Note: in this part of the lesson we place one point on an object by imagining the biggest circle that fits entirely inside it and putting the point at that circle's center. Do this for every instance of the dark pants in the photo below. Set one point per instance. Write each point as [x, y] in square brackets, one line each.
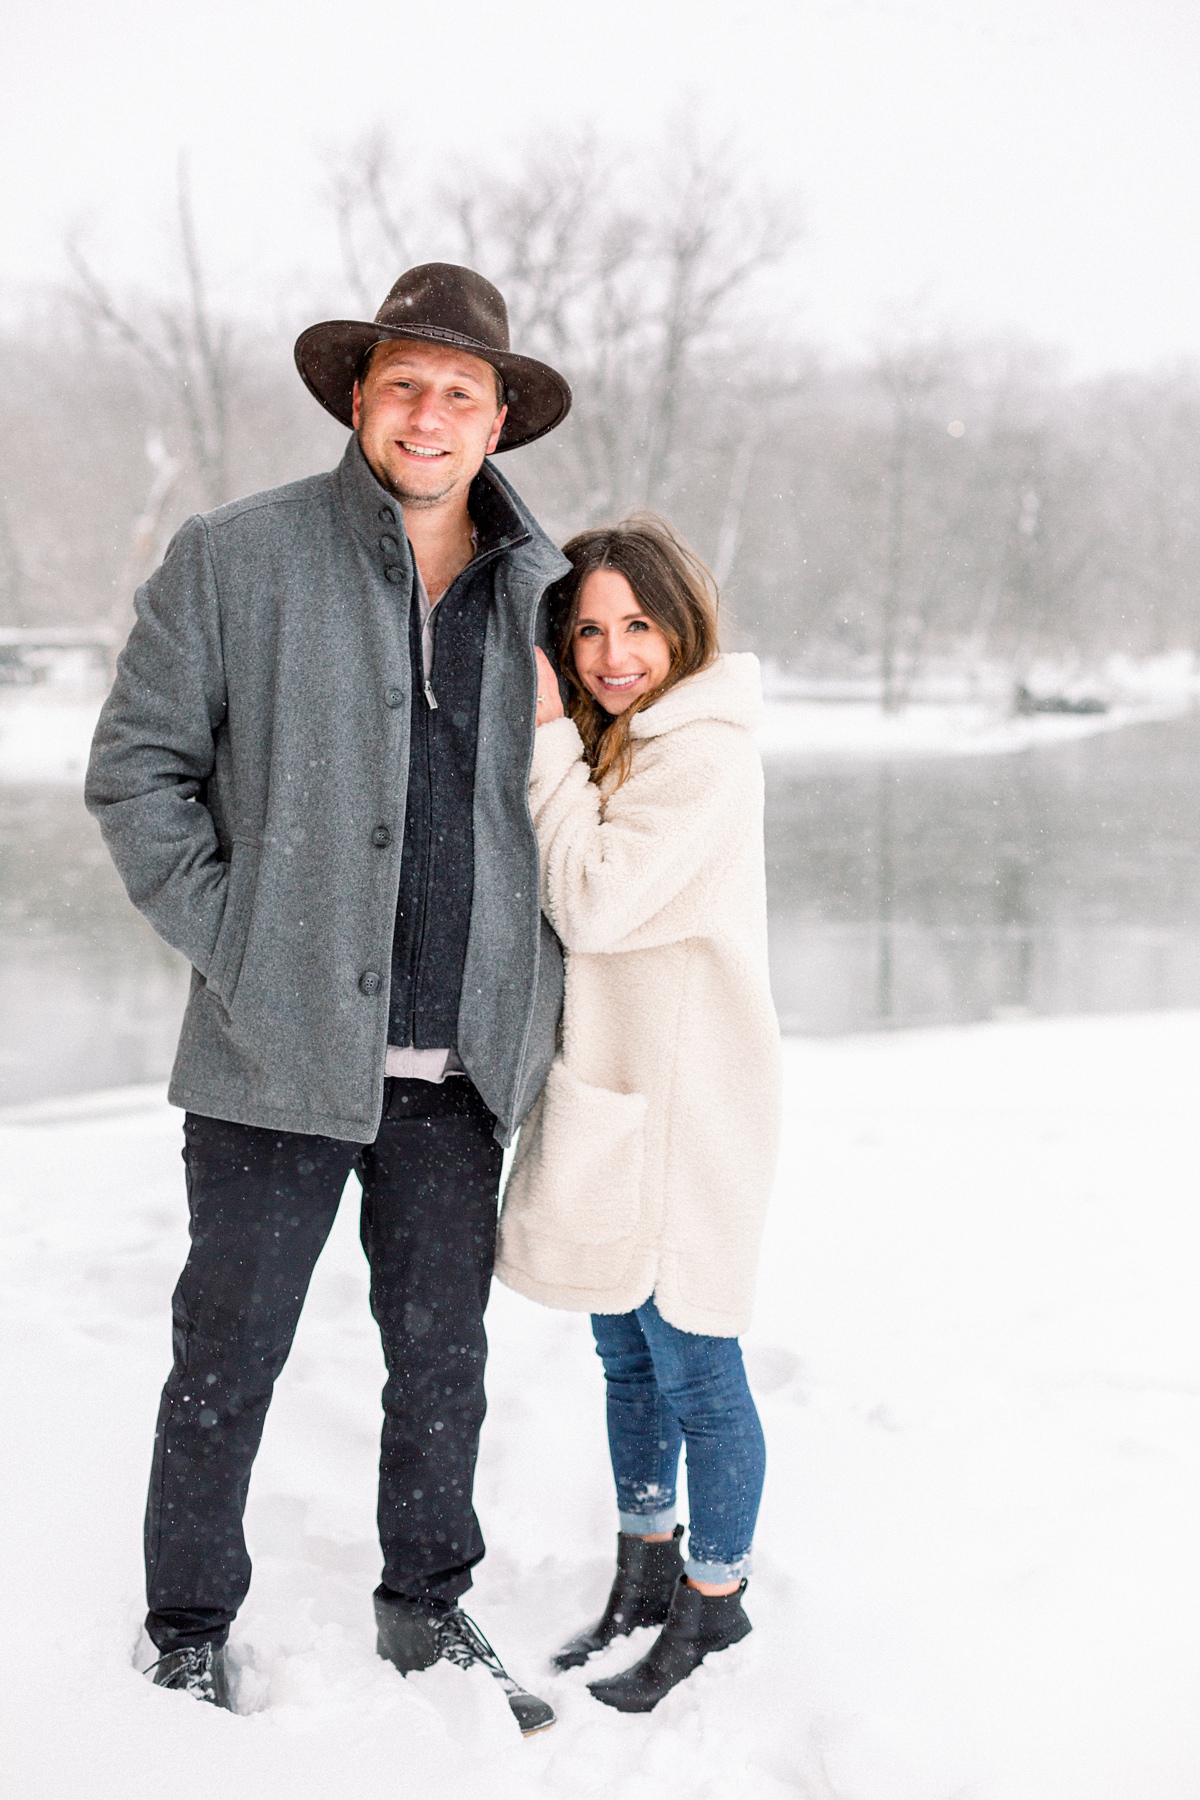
[262, 1204]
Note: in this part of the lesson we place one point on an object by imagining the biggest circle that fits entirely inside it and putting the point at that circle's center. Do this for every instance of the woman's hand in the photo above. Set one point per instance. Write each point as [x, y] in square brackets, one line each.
[549, 705]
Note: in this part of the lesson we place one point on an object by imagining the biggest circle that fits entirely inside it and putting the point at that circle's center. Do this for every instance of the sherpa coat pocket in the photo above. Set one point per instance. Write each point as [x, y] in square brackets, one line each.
[571, 1204]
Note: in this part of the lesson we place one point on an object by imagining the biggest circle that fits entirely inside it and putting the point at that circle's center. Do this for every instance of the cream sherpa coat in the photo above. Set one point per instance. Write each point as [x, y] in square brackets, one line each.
[645, 1165]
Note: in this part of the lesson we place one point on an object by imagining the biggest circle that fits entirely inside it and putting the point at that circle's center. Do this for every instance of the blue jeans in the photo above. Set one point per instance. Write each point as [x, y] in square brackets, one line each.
[667, 1388]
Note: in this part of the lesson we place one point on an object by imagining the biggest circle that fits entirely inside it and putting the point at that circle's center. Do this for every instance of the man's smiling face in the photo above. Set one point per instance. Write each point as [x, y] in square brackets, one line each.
[426, 417]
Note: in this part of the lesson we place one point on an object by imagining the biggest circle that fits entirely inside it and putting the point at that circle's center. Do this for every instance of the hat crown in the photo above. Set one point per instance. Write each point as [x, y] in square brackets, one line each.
[448, 301]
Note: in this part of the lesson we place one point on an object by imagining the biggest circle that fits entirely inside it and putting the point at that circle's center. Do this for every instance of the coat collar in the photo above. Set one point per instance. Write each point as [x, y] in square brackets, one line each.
[377, 522]
[371, 511]
[533, 556]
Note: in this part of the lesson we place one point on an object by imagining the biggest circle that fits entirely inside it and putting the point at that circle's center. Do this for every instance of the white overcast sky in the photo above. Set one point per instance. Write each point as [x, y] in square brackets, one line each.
[994, 166]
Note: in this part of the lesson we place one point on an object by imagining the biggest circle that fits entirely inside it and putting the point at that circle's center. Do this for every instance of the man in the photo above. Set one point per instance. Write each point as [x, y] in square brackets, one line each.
[311, 774]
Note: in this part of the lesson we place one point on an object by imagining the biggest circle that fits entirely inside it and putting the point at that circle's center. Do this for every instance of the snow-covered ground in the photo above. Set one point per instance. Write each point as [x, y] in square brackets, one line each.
[966, 709]
[976, 1356]
[47, 739]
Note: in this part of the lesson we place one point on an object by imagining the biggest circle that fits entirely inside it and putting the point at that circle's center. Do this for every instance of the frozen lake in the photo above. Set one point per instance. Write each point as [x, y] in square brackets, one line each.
[911, 891]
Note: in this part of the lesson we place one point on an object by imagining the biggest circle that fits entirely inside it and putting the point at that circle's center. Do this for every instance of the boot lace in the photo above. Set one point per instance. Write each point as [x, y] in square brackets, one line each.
[191, 1671]
[460, 1641]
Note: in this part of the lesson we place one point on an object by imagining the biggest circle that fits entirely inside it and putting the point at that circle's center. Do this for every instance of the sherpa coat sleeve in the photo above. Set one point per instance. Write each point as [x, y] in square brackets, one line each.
[154, 751]
[612, 868]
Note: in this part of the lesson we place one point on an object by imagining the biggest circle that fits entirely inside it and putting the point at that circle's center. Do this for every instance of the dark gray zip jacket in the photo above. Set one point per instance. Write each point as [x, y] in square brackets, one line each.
[255, 740]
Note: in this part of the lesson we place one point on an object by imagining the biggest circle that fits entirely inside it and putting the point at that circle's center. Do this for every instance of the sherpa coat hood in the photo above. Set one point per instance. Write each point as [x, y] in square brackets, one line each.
[646, 1164]
[728, 692]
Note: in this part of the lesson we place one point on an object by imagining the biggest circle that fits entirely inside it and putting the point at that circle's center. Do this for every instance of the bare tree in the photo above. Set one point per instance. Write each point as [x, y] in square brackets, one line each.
[145, 542]
[729, 536]
[620, 274]
[712, 239]
[853, 532]
[184, 347]
[907, 376]
[12, 574]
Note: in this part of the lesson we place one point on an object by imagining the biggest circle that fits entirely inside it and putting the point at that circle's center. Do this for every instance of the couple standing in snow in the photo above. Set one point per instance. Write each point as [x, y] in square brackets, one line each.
[377, 756]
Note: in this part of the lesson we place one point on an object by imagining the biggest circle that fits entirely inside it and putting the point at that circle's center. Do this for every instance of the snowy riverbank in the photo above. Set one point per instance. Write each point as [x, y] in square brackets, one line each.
[47, 739]
[861, 729]
[44, 738]
[976, 1358]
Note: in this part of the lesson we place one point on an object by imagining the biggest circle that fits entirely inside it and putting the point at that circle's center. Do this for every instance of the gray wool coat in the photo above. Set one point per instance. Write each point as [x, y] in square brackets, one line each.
[255, 740]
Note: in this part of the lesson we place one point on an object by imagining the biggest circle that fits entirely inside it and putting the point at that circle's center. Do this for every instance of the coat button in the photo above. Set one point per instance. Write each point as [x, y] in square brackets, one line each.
[387, 515]
[395, 574]
[394, 697]
[381, 837]
[370, 982]
[387, 543]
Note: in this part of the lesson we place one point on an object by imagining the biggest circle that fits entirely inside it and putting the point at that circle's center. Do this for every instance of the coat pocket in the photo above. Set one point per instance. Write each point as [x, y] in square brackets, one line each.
[230, 947]
[572, 1201]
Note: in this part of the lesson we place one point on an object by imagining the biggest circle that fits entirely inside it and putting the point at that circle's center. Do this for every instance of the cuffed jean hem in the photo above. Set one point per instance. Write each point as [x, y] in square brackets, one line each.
[717, 1571]
[643, 1524]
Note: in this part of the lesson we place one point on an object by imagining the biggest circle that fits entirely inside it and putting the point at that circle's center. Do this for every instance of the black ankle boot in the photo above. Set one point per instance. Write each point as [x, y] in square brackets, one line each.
[647, 1576]
[697, 1624]
[199, 1670]
[414, 1636]
[406, 1632]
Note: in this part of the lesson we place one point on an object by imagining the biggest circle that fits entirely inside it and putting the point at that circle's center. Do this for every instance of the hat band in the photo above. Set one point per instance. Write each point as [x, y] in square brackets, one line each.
[445, 336]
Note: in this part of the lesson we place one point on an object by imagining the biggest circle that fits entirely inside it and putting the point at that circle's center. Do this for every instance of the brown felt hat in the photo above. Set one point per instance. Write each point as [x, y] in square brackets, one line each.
[437, 303]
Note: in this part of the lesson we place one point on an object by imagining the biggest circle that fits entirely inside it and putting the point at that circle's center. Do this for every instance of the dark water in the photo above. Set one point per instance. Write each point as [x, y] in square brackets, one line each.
[1059, 880]
[917, 892]
[89, 996]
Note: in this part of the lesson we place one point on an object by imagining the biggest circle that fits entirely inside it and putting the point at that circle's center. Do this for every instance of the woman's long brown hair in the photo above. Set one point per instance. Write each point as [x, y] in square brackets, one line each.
[672, 587]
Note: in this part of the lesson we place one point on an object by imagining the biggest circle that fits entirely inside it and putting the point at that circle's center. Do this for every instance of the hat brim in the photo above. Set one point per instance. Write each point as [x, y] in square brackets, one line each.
[330, 355]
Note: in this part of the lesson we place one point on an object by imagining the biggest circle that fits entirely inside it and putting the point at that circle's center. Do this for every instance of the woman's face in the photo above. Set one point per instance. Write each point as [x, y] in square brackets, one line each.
[620, 654]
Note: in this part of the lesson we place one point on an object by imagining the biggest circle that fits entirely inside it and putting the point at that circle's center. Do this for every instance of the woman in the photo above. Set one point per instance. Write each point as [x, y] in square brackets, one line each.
[640, 1180]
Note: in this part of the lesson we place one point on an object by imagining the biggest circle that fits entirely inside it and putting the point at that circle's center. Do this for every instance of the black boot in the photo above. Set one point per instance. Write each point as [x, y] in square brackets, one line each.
[198, 1670]
[697, 1624]
[414, 1636]
[647, 1575]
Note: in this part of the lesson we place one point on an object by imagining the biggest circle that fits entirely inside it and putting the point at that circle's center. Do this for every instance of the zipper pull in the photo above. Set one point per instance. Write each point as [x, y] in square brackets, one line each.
[430, 696]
